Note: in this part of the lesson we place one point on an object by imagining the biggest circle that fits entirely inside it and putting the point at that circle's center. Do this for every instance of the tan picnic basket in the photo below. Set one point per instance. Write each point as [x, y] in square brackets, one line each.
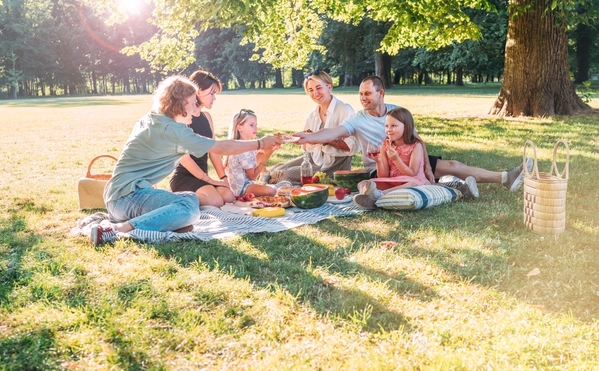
[545, 194]
[91, 187]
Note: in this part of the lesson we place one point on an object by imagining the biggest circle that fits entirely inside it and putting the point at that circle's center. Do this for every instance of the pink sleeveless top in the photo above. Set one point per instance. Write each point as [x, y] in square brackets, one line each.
[395, 177]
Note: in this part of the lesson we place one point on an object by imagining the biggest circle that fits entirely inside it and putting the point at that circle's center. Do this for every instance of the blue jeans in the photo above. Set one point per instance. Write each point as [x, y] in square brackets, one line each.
[156, 209]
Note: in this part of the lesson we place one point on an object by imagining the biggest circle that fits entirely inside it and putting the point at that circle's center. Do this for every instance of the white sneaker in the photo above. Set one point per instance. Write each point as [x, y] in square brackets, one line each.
[469, 188]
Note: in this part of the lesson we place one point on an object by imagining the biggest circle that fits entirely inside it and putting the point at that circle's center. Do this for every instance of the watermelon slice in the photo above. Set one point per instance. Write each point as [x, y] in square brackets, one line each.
[350, 178]
[310, 196]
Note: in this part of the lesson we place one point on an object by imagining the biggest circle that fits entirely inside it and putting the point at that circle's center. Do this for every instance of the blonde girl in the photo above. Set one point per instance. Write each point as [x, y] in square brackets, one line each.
[244, 168]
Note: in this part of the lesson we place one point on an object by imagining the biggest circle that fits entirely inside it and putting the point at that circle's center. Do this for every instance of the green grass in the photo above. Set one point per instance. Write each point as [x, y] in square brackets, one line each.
[453, 293]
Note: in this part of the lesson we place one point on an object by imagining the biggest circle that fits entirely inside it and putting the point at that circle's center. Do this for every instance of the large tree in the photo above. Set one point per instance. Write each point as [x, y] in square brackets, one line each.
[536, 78]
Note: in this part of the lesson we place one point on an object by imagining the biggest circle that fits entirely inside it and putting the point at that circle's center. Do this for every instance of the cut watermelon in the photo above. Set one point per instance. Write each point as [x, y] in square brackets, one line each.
[310, 196]
[350, 178]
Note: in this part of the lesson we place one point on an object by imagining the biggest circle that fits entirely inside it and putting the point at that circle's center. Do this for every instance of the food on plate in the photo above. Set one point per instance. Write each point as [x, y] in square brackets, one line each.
[248, 197]
[310, 196]
[239, 198]
[350, 178]
[270, 201]
[284, 191]
[285, 137]
[269, 212]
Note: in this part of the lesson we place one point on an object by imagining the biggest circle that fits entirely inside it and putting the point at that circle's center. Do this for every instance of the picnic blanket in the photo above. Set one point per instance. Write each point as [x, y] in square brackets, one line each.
[230, 220]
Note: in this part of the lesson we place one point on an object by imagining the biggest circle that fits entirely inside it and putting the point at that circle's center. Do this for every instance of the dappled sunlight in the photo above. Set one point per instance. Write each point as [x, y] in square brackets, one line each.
[42, 315]
[247, 248]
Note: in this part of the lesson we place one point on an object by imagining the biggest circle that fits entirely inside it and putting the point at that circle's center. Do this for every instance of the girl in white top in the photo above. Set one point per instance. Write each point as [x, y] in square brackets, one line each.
[244, 168]
[330, 112]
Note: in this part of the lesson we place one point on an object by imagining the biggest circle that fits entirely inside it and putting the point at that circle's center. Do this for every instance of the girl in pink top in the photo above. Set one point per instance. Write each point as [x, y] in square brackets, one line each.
[401, 160]
[399, 164]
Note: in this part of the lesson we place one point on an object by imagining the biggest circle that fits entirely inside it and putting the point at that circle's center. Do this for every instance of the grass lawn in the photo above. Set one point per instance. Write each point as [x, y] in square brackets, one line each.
[455, 292]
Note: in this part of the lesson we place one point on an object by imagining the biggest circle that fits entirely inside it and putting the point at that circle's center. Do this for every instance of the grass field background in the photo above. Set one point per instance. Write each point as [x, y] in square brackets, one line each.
[454, 292]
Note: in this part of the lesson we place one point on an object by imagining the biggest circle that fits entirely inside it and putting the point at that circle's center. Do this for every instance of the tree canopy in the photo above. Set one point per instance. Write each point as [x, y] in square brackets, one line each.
[288, 31]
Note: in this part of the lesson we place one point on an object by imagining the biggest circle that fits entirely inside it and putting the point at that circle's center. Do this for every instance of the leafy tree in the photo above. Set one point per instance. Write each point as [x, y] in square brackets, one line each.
[351, 60]
[13, 75]
[219, 51]
[288, 31]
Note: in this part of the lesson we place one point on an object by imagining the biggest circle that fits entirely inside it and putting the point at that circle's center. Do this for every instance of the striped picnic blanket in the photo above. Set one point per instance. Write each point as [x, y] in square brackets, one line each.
[215, 223]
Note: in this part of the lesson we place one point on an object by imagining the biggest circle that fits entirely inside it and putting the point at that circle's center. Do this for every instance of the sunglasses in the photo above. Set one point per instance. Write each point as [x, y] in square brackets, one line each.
[315, 73]
[244, 112]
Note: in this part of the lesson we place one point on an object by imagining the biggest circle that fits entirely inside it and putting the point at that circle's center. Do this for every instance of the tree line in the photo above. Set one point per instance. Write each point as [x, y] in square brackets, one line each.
[62, 47]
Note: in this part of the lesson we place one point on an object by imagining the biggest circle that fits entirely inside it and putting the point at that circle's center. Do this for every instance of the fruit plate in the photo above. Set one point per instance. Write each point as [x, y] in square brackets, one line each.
[334, 200]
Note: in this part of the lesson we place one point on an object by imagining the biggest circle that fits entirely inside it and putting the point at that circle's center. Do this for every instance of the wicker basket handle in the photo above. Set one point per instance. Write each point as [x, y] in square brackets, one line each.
[98, 176]
[535, 169]
[566, 171]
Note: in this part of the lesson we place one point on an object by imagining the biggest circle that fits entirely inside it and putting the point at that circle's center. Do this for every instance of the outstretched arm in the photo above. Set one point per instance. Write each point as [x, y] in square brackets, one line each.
[322, 136]
[233, 147]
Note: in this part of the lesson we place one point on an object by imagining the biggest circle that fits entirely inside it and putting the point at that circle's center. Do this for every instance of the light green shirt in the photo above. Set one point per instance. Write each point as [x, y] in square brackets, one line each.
[151, 153]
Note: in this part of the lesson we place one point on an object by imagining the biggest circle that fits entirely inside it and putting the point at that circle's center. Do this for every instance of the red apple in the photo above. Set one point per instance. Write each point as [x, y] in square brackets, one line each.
[340, 193]
[347, 191]
[249, 196]
[315, 179]
[240, 198]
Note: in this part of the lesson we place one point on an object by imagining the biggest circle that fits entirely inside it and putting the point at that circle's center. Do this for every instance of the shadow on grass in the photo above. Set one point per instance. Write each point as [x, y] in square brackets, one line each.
[290, 264]
[30, 351]
[14, 243]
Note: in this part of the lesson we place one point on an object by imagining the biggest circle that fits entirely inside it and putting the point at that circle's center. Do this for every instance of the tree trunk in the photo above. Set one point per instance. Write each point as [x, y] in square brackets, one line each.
[420, 77]
[240, 82]
[584, 43]
[459, 76]
[94, 83]
[278, 79]
[348, 80]
[382, 68]
[127, 83]
[297, 78]
[536, 79]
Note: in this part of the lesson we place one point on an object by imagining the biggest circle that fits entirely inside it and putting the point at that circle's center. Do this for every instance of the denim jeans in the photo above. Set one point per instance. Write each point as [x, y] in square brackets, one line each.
[156, 209]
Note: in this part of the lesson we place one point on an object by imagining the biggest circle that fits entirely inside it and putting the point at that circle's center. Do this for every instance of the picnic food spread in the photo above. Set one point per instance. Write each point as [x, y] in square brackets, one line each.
[310, 196]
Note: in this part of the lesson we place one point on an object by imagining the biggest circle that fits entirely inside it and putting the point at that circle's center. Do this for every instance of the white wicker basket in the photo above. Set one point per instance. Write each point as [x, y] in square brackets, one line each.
[545, 194]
